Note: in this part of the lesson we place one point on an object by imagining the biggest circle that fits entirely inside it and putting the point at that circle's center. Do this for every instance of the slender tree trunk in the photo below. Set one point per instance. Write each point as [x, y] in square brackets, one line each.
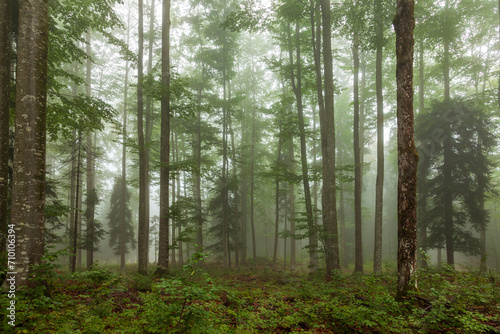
[143, 233]
[5, 63]
[291, 199]
[124, 149]
[379, 196]
[252, 187]
[163, 260]
[447, 153]
[197, 173]
[404, 23]
[90, 167]
[74, 244]
[422, 198]
[358, 224]
[277, 203]
[174, 196]
[297, 88]
[329, 198]
[499, 57]
[236, 224]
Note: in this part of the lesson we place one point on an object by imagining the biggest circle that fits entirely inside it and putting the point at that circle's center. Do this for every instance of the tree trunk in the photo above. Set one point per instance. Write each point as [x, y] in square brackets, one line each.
[143, 233]
[28, 193]
[90, 168]
[277, 203]
[252, 187]
[291, 199]
[297, 88]
[422, 198]
[5, 62]
[379, 193]
[329, 198]
[358, 224]
[197, 173]
[165, 144]
[447, 153]
[173, 148]
[404, 23]
[124, 148]
[76, 224]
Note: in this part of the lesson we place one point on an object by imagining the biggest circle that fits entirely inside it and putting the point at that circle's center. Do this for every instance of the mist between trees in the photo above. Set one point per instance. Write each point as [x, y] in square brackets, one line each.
[269, 133]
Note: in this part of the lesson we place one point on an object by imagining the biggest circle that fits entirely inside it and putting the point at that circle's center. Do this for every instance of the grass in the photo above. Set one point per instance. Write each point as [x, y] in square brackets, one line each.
[211, 299]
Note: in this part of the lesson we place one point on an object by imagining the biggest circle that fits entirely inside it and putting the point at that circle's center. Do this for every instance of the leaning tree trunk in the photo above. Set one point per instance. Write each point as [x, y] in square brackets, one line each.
[379, 193]
[5, 62]
[28, 193]
[297, 88]
[165, 144]
[404, 23]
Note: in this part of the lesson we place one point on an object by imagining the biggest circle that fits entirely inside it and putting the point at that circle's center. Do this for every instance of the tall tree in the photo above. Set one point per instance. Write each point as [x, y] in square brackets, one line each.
[5, 61]
[358, 223]
[379, 193]
[91, 193]
[329, 197]
[28, 193]
[163, 253]
[143, 234]
[404, 24]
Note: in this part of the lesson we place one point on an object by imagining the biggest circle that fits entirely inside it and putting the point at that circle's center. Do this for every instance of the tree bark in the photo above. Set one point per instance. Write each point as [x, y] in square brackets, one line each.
[143, 233]
[5, 63]
[90, 167]
[404, 24]
[379, 193]
[28, 193]
[329, 196]
[297, 88]
[358, 224]
[163, 256]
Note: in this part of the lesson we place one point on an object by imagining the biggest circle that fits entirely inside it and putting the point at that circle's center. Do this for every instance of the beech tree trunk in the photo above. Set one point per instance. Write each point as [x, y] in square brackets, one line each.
[404, 23]
[297, 88]
[358, 223]
[329, 196]
[28, 193]
[5, 62]
[143, 232]
[164, 234]
[379, 193]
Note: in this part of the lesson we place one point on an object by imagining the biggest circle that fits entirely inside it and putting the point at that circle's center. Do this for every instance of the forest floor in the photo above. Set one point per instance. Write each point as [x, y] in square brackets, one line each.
[255, 299]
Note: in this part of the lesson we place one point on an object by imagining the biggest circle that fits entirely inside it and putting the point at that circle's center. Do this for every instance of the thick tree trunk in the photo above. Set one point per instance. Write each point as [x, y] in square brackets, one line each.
[358, 224]
[379, 193]
[329, 196]
[28, 193]
[5, 62]
[404, 23]
[163, 260]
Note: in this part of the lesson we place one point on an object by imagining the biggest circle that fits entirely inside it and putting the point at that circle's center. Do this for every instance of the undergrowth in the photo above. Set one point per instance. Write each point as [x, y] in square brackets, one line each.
[205, 298]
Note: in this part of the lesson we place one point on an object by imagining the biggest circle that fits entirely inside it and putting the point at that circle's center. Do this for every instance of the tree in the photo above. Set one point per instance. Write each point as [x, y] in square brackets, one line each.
[163, 249]
[404, 23]
[379, 204]
[5, 62]
[143, 234]
[329, 197]
[28, 193]
[468, 142]
[121, 229]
